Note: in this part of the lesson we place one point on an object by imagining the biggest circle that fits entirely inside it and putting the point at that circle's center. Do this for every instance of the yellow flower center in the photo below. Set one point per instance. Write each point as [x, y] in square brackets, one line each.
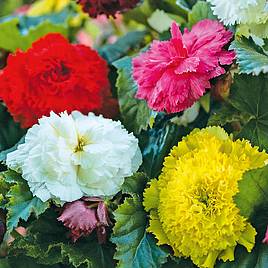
[80, 145]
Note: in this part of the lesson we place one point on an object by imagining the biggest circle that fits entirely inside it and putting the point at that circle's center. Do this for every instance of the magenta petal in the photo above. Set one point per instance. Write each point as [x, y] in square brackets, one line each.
[187, 65]
[217, 72]
[102, 214]
[226, 57]
[265, 240]
[175, 31]
[82, 217]
[78, 216]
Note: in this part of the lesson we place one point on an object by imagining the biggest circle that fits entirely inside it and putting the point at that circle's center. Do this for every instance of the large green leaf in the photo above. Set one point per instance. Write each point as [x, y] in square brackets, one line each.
[113, 52]
[12, 39]
[47, 242]
[253, 191]
[249, 95]
[135, 248]
[251, 59]
[135, 113]
[21, 204]
[156, 144]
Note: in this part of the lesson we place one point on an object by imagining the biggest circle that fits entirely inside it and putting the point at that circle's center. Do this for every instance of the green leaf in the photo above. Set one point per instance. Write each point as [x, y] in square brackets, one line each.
[113, 52]
[47, 242]
[3, 154]
[11, 38]
[135, 248]
[141, 12]
[258, 258]
[205, 102]
[175, 262]
[10, 132]
[4, 188]
[253, 191]
[227, 114]
[7, 180]
[251, 59]
[8, 6]
[135, 113]
[22, 262]
[180, 8]
[26, 22]
[249, 95]
[156, 144]
[189, 115]
[22, 204]
[135, 184]
[160, 21]
[201, 10]
[12, 177]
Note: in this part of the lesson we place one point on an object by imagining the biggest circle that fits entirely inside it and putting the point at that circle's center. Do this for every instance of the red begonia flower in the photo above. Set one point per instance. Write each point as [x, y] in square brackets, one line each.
[54, 75]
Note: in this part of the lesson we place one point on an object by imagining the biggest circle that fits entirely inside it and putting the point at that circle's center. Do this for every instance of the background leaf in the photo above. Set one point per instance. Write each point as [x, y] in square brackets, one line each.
[249, 94]
[135, 113]
[253, 191]
[12, 39]
[251, 59]
[3, 154]
[160, 21]
[113, 52]
[22, 204]
[180, 8]
[227, 114]
[135, 248]
[258, 258]
[201, 10]
[135, 184]
[23, 262]
[47, 242]
[157, 142]
[10, 132]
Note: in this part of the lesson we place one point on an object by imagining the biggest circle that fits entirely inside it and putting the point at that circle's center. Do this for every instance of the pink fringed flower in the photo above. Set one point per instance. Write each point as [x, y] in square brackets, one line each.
[84, 216]
[172, 75]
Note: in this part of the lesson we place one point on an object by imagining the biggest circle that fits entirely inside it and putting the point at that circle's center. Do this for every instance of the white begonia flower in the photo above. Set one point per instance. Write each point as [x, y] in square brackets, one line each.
[70, 156]
[240, 11]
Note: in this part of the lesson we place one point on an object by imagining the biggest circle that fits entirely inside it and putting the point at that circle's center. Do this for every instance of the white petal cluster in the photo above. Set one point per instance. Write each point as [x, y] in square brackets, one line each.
[70, 156]
[232, 12]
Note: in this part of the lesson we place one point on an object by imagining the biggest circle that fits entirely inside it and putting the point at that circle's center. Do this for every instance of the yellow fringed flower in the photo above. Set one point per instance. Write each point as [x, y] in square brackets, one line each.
[191, 204]
[43, 7]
